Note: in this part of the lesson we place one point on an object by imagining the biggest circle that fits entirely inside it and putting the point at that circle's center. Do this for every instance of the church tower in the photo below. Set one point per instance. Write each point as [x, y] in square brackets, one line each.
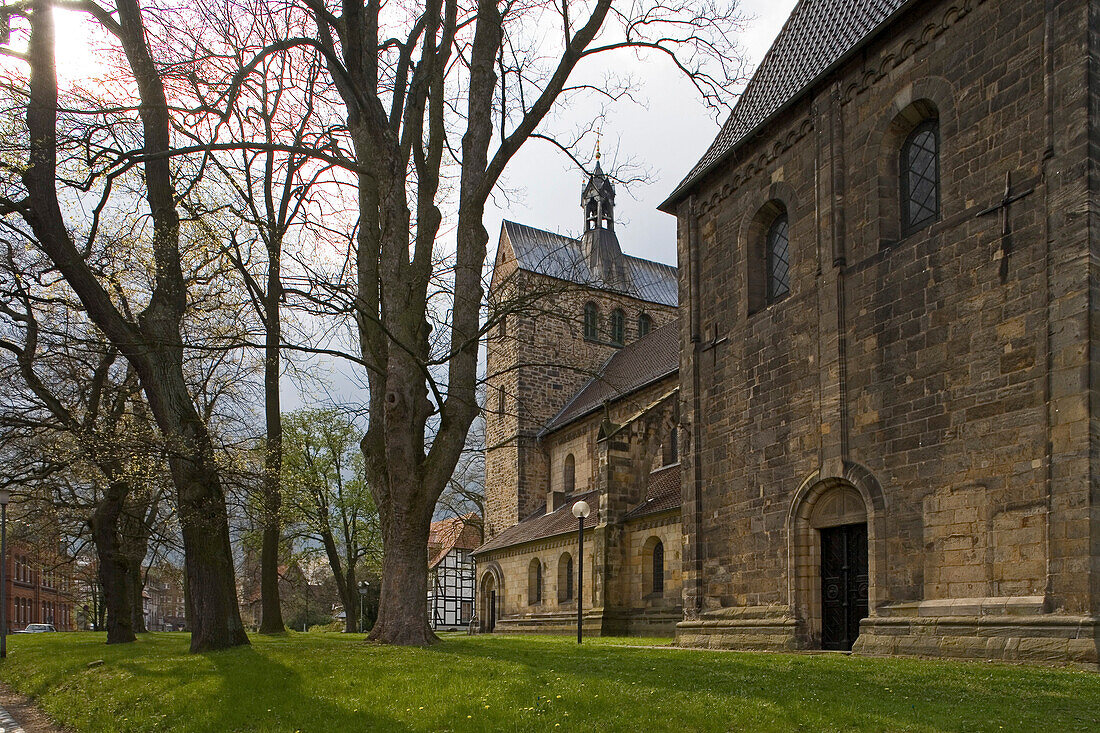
[563, 306]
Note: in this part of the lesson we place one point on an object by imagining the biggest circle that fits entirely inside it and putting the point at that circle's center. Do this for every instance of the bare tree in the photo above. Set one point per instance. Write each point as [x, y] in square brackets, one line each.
[89, 153]
[437, 99]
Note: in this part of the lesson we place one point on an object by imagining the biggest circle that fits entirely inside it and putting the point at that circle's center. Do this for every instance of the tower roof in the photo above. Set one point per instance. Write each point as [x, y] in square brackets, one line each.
[818, 35]
[562, 257]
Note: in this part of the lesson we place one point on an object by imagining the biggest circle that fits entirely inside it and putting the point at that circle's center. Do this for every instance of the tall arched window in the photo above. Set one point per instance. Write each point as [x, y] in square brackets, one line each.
[565, 578]
[659, 568]
[618, 327]
[645, 324]
[779, 259]
[920, 177]
[569, 474]
[534, 582]
[591, 321]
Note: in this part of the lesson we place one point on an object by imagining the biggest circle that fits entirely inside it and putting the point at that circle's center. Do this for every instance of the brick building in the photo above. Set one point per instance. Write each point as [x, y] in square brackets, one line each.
[39, 588]
[581, 403]
[889, 338]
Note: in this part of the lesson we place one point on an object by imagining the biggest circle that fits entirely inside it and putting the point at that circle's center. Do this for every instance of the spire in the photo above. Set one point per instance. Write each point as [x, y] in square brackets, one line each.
[600, 245]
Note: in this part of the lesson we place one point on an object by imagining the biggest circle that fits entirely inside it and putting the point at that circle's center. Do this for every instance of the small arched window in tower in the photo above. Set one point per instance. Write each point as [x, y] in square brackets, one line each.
[591, 322]
[534, 582]
[658, 568]
[565, 578]
[920, 177]
[569, 474]
[618, 327]
[592, 215]
[645, 324]
[779, 259]
[500, 400]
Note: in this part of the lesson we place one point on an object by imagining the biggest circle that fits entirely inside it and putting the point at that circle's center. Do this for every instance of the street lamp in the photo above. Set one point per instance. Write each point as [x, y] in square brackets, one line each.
[580, 510]
[363, 587]
[4, 496]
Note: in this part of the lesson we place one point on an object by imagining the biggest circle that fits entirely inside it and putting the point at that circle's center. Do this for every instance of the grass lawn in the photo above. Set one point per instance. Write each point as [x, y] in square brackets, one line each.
[332, 682]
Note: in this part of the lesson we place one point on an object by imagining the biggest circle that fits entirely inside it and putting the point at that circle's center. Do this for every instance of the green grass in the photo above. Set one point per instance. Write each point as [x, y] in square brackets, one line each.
[332, 682]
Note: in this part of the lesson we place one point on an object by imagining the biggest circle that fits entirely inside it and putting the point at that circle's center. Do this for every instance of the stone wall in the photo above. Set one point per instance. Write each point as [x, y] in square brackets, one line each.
[944, 374]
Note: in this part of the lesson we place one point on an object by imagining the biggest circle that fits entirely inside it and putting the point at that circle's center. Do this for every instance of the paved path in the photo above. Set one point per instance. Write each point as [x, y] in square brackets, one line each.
[8, 723]
[19, 714]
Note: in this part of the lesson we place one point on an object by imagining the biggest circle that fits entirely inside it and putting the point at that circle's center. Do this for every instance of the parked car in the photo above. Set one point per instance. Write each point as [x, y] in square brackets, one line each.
[37, 629]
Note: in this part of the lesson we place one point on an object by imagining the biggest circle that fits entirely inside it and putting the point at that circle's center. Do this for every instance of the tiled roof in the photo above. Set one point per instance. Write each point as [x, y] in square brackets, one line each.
[817, 35]
[462, 533]
[650, 358]
[561, 257]
[662, 493]
[541, 525]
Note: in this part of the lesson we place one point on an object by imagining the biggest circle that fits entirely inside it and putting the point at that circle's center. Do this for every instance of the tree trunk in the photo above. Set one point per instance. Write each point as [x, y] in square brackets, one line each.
[137, 588]
[271, 618]
[403, 602]
[351, 600]
[113, 571]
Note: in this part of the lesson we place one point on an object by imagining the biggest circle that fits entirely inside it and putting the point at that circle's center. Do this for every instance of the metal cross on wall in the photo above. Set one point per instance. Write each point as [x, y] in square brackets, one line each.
[1006, 227]
[713, 344]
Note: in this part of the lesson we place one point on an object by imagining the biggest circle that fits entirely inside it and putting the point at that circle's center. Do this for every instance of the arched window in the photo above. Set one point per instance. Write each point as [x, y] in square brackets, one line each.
[645, 324]
[659, 568]
[534, 582]
[565, 578]
[591, 321]
[592, 214]
[569, 474]
[779, 259]
[618, 327]
[919, 171]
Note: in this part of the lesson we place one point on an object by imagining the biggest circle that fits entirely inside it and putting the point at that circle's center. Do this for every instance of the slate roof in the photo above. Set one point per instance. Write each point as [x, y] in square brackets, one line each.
[541, 524]
[652, 357]
[561, 257]
[460, 533]
[817, 36]
[662, 493]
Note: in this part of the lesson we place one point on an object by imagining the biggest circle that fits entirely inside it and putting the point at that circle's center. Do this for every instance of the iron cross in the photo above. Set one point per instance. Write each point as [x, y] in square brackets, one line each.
[1006, 228]
[713, 344]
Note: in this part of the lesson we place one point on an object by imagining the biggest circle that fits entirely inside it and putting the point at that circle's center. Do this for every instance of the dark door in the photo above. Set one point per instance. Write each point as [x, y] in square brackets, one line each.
[492, 610]
[843, 584]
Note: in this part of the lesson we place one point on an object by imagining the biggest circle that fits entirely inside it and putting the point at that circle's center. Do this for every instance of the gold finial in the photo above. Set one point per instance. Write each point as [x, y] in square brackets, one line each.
[598, 132]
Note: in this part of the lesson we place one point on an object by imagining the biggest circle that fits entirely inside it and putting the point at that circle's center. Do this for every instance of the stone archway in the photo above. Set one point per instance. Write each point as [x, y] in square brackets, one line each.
[846, 510]
[490, 599]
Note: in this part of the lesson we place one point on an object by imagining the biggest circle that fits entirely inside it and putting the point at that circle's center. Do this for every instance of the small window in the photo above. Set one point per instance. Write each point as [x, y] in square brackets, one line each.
[569, 474]
[500, 400]
[778, 256]
[920, 177]
[591, 322]
[466, 612]
[658, 568]
[565, 578]
[618, 327]
[672, 447]
[645, 324]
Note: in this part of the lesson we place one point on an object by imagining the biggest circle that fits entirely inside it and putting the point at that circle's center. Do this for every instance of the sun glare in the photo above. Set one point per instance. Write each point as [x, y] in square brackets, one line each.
[76, 37]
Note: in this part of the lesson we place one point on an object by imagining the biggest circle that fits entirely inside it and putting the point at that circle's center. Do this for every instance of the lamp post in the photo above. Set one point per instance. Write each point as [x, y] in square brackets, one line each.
[580, 510]
[363, 587]
[4, 496]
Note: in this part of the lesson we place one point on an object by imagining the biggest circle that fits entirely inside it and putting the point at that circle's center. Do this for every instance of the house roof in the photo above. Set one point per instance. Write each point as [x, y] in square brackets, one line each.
[662, 493]
[541, 525]
[818, 35]
[562, 257]
[649, 359]
[455, 533]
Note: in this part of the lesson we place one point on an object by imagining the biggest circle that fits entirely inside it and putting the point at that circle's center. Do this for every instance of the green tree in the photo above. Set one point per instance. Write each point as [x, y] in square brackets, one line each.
[325, 486]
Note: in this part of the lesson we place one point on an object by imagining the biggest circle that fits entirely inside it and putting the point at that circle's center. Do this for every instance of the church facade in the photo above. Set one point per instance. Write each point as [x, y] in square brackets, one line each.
[581, 404]
[888, 279]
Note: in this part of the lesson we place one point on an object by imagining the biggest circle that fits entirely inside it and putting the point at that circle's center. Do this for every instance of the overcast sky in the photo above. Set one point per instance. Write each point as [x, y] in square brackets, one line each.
[666, 135]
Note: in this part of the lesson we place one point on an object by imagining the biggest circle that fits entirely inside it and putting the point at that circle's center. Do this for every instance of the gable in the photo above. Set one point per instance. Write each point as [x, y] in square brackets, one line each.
[818, 35]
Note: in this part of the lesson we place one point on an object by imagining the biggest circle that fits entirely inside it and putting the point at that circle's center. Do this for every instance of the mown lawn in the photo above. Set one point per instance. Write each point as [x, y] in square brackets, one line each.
[331, 682]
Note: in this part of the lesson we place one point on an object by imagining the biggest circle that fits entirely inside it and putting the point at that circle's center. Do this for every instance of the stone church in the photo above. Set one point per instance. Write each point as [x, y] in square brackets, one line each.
[886, 363]
[888, 299]
[582, 403]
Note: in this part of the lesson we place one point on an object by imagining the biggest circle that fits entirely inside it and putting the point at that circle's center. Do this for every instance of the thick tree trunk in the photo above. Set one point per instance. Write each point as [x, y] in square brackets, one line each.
[113, 571]
[137, 606]
[403, 603]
